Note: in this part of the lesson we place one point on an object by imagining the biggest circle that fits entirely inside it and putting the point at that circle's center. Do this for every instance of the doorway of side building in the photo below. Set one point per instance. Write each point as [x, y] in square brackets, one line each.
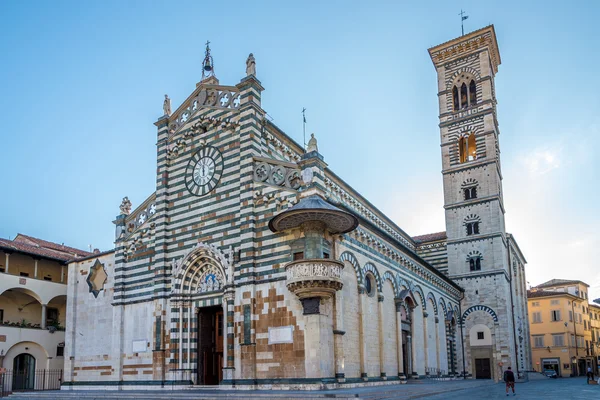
[405, 355]
[551, 363]
[483, 368]
[23, 372]
[210, 345]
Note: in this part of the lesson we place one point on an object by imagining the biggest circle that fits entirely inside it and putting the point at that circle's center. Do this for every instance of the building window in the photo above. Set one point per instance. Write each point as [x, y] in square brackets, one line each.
[470, 193]
[538, 341]
[558, 340]
[48, 278]
[467, 148]
[326, 255]
[472, 93]
[370, 285]
[51, 316]
[555, 314]
[455, 102]
[570, 316]
[299, 255]
[480, 335]
[60, 351]
[535, 304]
[537, 317]
[554, 302]
[23, 274]
[573, 340]
[472, 228]
[475, 264]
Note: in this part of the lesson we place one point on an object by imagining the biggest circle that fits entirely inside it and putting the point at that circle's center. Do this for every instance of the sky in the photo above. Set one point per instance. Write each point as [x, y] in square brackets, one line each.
[83, 82]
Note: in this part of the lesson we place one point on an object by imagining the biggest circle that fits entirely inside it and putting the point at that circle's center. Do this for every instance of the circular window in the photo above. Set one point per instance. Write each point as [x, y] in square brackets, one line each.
[369, 285]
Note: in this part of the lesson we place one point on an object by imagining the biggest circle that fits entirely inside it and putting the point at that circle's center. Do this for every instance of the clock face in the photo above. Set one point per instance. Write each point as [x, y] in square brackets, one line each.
[204, 171]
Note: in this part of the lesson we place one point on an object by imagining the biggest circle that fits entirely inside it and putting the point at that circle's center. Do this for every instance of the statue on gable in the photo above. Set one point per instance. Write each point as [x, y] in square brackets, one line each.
[167, 105]
[125, 206]
[251, 65]
[312, 144]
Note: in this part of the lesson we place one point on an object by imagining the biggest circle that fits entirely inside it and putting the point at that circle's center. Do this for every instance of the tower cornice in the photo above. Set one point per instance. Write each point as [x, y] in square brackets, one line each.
[465, 45]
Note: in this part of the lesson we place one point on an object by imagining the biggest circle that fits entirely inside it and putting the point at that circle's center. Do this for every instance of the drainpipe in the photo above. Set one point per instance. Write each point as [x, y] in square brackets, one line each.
[462, 338]
[512, 308]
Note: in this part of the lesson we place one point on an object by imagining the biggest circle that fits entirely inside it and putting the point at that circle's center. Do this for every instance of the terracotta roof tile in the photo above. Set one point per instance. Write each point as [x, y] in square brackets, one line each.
[532, 294]
[50, 245]
[42, 248]
[430, 237]
[559, 282]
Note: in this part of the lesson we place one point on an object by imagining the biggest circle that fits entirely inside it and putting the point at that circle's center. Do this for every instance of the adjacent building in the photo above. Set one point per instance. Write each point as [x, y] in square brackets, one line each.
[33, 288]
[253, 264]
[562, 323]
[595, 341]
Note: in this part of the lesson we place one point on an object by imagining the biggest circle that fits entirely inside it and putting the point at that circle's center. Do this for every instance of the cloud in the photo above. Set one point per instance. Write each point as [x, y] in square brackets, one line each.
[543, 160]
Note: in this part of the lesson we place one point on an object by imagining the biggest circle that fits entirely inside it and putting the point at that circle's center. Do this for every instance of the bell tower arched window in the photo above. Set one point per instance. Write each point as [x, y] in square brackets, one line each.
[470, 193]
[475, 264]
[472, 228]
[464, 95]
[467, 148]
[472, 93]
[464, 92]
[455, 98]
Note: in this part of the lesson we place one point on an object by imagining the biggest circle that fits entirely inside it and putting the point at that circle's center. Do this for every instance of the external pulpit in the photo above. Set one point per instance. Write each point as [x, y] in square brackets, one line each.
[315, 278]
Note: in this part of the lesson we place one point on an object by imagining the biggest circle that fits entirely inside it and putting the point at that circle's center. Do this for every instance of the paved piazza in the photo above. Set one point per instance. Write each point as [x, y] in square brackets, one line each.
[547, 389]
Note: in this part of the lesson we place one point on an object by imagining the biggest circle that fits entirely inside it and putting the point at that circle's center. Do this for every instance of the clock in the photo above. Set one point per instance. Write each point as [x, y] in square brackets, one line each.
[204, 171]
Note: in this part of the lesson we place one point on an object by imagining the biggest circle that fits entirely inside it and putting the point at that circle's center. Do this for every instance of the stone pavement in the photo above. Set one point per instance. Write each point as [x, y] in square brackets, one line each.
[547, 389]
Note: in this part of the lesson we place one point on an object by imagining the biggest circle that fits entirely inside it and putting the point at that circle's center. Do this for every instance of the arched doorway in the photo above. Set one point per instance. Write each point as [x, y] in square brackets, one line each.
[23, 372]
[200, 282]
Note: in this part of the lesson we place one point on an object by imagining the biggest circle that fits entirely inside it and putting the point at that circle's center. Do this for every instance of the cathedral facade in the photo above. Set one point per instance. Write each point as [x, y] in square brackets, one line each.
[254, 265]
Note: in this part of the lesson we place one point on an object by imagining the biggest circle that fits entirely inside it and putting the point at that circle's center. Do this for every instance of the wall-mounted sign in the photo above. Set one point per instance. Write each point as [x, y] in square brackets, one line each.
[139, 346]
[281, 334]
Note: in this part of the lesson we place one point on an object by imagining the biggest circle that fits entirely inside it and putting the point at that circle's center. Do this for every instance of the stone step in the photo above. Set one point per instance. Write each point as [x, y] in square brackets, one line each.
[170, 395]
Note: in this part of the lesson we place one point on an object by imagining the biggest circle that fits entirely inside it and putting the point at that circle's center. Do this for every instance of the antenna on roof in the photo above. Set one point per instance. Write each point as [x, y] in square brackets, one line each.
[90, 248]
[304, 126]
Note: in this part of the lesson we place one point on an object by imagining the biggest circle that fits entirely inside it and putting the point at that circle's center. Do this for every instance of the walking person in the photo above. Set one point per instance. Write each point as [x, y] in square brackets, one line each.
[509, 379]
[590, 374]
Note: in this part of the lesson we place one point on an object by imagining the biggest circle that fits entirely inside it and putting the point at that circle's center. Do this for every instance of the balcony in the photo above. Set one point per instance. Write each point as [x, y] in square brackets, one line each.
[314, 277]
[42, 291]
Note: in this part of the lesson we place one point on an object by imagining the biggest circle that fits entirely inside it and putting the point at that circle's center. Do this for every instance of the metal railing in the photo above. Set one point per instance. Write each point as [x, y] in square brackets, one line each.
[435, 373]
[24, 381]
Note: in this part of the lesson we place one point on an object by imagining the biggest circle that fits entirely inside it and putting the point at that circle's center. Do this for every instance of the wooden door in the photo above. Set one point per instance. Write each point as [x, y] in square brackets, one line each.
[482, 368]
[219, 344]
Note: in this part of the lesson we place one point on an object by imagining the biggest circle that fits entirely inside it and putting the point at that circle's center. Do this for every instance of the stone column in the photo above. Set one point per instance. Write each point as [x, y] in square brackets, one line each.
[409, 356]
[180, 343]
[313, 239]
[62, 274]
[7, 261]
[425, 344]
[318, 341]
[437, 343]
[43, 324]
[35, 267]
[228, 354]
[338, 337]
[362, 330]
[382, 372]
[117, 343]
[189, 335]
[400, 356]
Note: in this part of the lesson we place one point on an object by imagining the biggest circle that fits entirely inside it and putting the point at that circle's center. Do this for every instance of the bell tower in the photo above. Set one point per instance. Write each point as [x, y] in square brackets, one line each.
[477, 243]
